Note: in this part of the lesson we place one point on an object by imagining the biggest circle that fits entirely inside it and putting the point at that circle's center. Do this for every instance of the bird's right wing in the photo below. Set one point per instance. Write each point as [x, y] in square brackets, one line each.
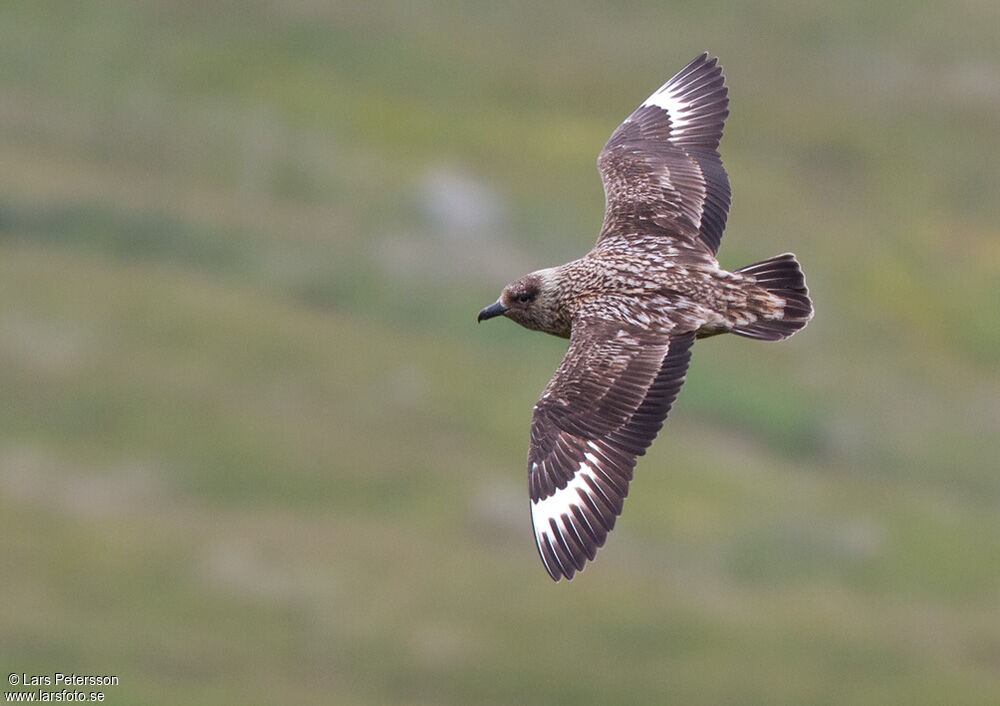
[664, 183]
[603, 408]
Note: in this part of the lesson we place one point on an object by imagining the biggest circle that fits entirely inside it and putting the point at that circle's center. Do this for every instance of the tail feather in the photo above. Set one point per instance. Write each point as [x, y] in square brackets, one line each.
[782, 277]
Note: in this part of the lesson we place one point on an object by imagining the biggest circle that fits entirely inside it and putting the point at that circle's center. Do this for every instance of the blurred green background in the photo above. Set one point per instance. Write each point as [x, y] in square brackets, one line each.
[254, 448]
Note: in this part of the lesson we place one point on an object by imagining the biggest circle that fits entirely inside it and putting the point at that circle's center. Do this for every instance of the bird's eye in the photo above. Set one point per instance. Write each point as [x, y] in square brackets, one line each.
[524, 297]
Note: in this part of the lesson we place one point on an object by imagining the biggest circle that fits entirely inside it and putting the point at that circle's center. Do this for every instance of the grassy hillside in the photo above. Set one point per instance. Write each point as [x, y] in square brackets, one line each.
[253, 447]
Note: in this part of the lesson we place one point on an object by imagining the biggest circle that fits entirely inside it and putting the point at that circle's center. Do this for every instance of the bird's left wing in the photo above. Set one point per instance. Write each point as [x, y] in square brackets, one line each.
[664, 183]
[603, 408]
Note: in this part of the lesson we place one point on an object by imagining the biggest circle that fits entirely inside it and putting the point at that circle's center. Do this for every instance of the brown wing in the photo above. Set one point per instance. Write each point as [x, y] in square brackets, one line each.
[663, 177]
[602, 409]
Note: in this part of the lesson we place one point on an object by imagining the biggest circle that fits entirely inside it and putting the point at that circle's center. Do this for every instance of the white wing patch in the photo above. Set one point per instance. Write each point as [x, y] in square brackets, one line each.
[670, 99]
[558, 508]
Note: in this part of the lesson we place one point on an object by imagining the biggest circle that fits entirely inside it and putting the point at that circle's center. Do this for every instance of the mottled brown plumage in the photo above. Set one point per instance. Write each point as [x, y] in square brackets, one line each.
[632, 308]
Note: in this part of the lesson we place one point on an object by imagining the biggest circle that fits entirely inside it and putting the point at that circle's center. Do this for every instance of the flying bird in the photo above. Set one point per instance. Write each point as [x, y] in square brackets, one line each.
[632, 308]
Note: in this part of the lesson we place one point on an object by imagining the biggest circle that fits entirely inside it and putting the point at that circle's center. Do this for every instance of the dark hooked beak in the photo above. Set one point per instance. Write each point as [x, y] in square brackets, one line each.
[495, 309]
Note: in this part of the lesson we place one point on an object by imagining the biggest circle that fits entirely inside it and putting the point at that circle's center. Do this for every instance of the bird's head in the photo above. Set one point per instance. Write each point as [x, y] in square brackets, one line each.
[529, 301]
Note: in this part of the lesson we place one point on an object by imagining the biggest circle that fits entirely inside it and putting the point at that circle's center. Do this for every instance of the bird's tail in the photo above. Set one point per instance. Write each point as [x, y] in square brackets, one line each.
[782, 277]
